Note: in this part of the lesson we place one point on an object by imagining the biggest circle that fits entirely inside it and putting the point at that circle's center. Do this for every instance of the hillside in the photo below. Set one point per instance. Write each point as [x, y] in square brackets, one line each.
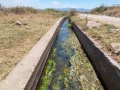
[105, 10]
[77, 9]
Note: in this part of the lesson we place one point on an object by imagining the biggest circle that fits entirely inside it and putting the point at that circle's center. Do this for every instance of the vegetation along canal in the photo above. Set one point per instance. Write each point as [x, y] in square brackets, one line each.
[68, 68]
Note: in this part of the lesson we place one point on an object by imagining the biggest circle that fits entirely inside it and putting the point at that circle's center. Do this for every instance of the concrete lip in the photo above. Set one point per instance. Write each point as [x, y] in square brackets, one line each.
[26, 74]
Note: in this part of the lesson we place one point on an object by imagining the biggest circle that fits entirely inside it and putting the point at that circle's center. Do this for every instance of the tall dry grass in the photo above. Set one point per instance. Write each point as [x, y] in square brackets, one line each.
[16, 41]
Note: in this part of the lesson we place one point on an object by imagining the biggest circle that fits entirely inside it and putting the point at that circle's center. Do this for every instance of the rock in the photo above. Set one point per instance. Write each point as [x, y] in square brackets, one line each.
[18, 23]
[116, 47]
[117, 29]
[93, 24]
[114, 29]
[117, 51]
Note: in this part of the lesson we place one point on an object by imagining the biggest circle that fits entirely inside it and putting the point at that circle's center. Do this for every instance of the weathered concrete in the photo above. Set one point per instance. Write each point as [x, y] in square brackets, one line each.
[26, 74]
[108, 70]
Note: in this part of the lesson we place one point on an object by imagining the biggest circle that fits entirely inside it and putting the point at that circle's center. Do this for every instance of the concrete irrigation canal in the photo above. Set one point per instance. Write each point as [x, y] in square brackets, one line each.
[64, 59]
[68, 67]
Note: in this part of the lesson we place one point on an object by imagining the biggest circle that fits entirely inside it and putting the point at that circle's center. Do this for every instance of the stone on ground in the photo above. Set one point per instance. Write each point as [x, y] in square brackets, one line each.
[116, 47]
[18, 23]
[93, 24]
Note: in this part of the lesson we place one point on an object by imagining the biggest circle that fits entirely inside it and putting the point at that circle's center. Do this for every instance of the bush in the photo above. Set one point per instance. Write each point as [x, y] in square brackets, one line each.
[100, 9]
[56, 13]
[1, 7]
[51, 10]
[73, 12]
[22, 10]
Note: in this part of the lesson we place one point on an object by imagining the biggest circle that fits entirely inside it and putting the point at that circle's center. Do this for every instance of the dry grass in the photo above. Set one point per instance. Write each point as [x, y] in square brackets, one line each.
[16, 41]
[115, 11]
[105, 35]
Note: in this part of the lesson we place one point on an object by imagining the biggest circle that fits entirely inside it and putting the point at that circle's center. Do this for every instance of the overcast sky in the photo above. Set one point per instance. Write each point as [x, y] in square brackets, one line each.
[41, 4]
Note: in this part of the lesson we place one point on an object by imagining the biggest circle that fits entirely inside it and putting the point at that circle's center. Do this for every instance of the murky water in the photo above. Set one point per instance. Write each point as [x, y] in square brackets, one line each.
[68, 67]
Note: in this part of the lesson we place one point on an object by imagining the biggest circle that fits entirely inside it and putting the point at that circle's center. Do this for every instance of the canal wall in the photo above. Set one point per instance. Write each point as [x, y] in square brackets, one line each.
[107, 69]
[25, 76]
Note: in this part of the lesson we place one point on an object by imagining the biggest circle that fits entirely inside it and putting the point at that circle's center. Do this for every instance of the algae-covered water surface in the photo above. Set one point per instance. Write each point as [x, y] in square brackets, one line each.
[68, 68]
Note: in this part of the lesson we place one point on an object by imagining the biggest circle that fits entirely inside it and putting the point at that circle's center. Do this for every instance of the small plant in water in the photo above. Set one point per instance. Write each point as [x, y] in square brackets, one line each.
[69, 25]
[50, 68]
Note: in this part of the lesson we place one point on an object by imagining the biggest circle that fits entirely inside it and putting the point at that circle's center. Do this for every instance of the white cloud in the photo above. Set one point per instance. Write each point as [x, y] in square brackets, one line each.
[55, 2]
[65, 5]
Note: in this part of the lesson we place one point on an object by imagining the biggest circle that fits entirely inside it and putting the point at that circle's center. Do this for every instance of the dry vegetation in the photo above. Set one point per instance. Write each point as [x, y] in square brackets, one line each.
[17, 40]
[105, 35]
[105, 10]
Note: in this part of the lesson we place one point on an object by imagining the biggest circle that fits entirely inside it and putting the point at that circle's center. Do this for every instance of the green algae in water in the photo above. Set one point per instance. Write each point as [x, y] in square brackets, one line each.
[81, 68]
[68, 67]
[63, 81]
[47, 78]
[69, 25]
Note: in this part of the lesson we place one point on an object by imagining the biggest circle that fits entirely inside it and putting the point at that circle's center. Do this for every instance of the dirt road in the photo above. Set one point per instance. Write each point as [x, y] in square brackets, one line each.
[104, 19]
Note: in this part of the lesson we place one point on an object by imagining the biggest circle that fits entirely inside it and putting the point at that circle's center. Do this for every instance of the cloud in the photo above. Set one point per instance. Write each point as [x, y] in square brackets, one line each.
[55, 2]
[64, 5]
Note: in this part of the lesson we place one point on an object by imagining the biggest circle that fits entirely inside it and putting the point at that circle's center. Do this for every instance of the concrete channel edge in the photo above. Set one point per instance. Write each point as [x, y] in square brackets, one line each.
[25, 76]
[107, 69]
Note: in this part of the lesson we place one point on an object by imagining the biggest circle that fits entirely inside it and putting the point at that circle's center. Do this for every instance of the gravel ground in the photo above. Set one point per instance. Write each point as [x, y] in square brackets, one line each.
[104, 19]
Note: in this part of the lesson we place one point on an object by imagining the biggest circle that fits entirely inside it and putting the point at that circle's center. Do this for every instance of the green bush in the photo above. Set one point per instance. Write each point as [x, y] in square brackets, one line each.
[100, 9]
[73, 12]
[56, 13]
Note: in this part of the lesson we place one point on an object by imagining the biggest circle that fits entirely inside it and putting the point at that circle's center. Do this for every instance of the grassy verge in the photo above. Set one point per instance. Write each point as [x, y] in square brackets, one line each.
[17, 40]
[105, 34]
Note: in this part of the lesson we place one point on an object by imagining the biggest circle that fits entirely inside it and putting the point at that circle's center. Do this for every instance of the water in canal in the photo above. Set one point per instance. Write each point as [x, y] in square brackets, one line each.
[68, 68]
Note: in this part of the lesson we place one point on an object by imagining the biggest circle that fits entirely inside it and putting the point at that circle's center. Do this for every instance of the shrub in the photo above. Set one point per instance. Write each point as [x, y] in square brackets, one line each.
[73, 12]
[100, 9]
[56, 13]
[22, 10]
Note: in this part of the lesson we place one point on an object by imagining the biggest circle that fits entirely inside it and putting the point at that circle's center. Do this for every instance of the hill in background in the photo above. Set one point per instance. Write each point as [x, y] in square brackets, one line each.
[107, 10]
[77, 9]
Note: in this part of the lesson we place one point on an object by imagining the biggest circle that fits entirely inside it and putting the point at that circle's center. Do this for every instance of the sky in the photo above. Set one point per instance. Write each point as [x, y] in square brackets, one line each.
[41, 4]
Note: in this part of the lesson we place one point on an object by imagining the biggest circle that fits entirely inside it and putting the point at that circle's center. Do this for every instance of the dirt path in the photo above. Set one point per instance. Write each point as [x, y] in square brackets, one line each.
[104, 19]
